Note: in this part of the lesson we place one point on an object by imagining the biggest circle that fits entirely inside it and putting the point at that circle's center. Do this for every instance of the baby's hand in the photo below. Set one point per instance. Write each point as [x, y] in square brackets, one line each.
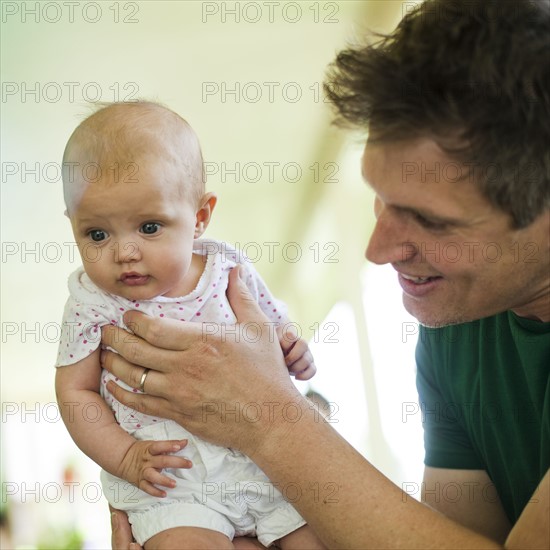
[144, 461]
[297, 355]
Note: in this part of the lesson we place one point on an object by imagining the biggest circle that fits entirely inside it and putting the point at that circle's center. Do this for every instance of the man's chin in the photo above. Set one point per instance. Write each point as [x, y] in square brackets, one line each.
[439, 323]
[430, 319]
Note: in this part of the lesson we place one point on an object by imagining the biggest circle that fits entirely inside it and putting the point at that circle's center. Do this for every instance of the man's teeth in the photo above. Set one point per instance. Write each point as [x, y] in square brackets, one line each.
[416, 279]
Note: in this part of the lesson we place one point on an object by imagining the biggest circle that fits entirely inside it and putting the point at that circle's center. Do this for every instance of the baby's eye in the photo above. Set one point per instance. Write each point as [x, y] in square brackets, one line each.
[150, 228]
[97, 235]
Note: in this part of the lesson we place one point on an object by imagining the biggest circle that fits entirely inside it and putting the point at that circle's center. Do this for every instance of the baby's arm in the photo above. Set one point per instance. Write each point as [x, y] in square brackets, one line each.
[99, 436]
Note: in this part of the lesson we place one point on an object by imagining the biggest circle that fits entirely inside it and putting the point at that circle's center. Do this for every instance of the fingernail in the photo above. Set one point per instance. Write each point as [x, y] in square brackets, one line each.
[114, 520]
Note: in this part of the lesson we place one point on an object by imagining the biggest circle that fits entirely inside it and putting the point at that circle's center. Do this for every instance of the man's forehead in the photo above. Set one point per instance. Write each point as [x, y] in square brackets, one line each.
[388, 155]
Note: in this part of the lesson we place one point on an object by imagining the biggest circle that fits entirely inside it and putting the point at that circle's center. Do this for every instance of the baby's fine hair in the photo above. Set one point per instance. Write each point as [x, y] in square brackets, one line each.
[117, 137]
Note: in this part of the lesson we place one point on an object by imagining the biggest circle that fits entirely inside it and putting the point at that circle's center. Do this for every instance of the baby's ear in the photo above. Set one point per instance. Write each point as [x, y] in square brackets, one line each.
[204, 213]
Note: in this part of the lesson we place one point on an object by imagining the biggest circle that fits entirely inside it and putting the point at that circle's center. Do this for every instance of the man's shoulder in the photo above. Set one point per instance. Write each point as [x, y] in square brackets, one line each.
[504, 338]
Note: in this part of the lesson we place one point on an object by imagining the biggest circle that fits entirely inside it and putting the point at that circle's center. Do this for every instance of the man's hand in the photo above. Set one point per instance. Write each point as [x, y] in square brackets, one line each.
[121, 532]
[144, 461]
[195, 376]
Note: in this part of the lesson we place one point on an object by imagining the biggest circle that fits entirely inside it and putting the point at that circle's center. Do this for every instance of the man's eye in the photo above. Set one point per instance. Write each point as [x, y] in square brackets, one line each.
[97, 235]
[429, 224]
[150, 228]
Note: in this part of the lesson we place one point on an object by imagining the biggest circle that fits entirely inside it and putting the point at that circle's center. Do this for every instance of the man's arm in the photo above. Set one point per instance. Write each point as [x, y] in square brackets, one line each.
[347, 502]
[532, 530]
[344, 499]
[469, 497]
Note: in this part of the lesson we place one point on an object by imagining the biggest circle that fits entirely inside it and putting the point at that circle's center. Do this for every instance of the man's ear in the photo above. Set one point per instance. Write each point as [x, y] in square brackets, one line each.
[204, 213]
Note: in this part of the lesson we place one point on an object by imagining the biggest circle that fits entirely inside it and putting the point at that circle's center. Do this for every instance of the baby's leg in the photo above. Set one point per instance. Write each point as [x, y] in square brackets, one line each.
[302, 539]
[248, 543]
[188, 538]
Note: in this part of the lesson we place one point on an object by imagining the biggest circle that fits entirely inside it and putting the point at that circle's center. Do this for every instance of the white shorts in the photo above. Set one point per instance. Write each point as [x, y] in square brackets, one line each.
[223, 491]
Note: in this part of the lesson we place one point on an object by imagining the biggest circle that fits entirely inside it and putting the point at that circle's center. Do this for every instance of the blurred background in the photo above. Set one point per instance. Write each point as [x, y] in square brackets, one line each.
[248, 77]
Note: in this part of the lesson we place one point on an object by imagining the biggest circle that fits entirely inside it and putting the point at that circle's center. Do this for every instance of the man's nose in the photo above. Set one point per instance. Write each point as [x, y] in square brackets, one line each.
[389, 242]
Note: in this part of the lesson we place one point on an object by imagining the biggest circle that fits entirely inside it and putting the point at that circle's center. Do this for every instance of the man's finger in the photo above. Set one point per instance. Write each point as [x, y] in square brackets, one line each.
[135, 376]
[121, 537]
[243, 304]
[148, 404]
[163, 333]
[112, 335]
[135, 350]
[120, 368]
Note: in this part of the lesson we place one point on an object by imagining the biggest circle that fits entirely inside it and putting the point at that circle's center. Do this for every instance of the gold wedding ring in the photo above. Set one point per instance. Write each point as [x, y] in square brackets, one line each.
[142, 381]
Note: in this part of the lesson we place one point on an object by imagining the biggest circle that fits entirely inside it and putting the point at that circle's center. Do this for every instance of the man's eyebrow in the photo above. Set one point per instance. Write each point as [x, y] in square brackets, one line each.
[429, 215]
[417, 211]
[421, 212]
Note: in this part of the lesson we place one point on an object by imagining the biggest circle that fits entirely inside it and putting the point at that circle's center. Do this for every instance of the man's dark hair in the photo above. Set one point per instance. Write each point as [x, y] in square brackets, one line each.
[473, 75]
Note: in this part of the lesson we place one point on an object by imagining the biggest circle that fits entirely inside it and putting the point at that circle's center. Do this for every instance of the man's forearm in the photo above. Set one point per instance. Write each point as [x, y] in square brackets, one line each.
[344, 498]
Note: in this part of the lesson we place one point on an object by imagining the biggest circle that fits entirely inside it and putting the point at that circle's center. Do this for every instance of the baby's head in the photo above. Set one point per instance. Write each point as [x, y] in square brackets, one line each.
[134, 191]
[115, 142]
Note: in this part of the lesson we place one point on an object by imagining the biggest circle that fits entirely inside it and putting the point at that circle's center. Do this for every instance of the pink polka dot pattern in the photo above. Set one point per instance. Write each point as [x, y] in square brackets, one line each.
[88, 308]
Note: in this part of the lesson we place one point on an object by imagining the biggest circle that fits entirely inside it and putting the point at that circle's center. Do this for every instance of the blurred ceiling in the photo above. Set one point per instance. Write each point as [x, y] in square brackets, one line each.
[248, 77]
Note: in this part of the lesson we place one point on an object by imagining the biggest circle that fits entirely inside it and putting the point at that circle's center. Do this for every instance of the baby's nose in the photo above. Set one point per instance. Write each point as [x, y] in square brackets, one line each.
[125, 252]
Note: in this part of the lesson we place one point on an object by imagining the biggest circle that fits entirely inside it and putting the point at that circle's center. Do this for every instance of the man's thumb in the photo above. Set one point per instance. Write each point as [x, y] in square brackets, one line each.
[242, 303]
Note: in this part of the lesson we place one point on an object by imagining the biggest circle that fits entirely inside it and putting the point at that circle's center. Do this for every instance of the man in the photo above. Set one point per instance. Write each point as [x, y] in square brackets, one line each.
[457, 107]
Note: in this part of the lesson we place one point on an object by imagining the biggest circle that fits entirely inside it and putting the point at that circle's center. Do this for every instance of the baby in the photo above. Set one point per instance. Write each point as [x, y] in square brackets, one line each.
[134, 191]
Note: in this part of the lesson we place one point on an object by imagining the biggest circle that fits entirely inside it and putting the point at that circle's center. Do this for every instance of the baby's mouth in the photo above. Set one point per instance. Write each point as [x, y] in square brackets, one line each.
[134, 279]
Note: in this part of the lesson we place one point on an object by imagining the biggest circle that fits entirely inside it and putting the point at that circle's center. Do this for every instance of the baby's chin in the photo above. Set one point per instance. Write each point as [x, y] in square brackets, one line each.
[134, 294]
[137, 296]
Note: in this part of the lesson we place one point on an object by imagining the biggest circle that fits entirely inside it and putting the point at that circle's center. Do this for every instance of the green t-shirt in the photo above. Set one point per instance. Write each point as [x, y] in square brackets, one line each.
[484, 390]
